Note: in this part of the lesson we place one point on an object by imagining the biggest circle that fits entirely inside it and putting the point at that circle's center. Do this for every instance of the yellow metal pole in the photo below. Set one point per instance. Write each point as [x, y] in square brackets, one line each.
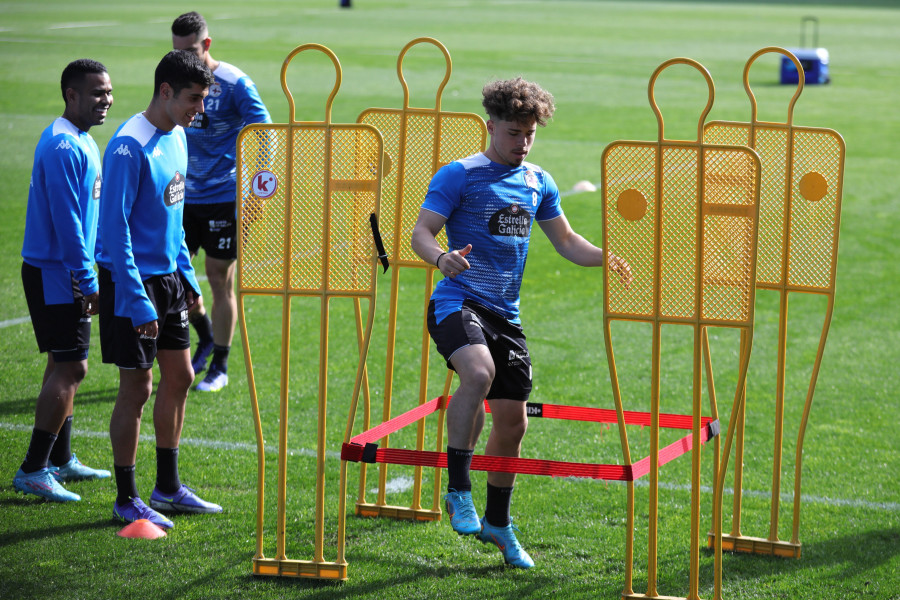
[739, 459]
[388, 379]
[626, 453]
[283, 425]
[257, 428]
[367, 404]
[779, 415]
[654, 462]
[320, 432]
[798, 470]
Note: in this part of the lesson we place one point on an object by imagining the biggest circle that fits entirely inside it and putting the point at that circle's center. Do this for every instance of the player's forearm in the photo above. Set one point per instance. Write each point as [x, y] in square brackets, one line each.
[424, 243]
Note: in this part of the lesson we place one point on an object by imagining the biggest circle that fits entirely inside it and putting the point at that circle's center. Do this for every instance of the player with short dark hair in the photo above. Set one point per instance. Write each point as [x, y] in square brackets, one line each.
[210, 212]
[58, 274]
[147, 284]
[487, 203]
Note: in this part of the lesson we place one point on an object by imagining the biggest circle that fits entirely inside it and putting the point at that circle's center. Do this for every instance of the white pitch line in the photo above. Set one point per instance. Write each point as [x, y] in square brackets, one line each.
[11, 322]
[402, 483]
[82, 25]
[243, 446]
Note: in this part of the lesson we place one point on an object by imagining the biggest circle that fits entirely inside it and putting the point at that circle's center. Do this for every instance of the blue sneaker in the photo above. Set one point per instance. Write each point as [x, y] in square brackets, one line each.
[135, 509]
[214, 381]
[41, 483]
[505, 539]
[204, 349]
[75, 471]
[184, 500]
[461, 510]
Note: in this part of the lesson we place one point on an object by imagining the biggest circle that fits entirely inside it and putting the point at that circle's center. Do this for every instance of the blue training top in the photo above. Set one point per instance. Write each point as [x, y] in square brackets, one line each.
[141, 208]
[61, 218]
[233, 102]
[492, 207]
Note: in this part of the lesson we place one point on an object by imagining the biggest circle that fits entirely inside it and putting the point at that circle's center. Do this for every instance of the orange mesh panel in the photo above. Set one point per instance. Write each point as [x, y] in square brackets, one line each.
[262, 224]
[813, 229]
[628, 167]
[308, 204]
[729, 221]
[462, 136]
[722, 250]
[678, 271]
[814, 220]
[421, 137]
[321, 211]
[414, 164]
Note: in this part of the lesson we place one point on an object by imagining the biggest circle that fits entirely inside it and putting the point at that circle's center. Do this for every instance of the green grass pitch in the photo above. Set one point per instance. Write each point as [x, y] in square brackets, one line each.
[596, 57]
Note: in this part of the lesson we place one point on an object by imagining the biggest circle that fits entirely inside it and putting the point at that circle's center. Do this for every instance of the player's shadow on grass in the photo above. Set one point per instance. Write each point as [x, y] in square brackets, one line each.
[25, 406]
[415, 574]
[20, 536]
[851, 556]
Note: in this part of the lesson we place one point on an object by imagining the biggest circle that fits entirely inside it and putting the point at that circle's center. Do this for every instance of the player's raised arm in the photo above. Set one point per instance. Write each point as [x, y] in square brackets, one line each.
[573, 247]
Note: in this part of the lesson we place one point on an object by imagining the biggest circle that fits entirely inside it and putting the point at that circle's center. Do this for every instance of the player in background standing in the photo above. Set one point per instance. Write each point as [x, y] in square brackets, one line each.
[210, 212]
[488, 203]
[61, 287]
[147, 284]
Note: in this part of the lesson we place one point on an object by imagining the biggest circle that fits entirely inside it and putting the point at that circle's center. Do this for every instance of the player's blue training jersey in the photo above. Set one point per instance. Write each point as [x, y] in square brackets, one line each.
[233, 102]
[141, 207]
[61, 218]
[492, 207]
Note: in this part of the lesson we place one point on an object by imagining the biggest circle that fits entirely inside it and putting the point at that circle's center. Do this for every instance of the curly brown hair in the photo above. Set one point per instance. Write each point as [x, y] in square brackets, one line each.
[517, 100]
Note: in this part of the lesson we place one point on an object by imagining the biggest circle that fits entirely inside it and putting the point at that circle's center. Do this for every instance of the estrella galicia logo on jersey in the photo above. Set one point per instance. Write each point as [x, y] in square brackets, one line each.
[175, 190]
[531, 179]
[64, 145]
[95, 192]
[511, 221]
[200, 121]
[215, 90]
[123, 151]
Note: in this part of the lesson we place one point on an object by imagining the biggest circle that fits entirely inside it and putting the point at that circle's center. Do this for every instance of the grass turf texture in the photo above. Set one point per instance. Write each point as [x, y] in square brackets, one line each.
[596, 58]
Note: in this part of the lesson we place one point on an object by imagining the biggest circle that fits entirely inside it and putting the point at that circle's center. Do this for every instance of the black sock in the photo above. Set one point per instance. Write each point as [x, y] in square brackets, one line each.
[61, 453]
[458, 463]
[167, 480]
[496, 510]
[220, 359]
[38, 450]
[126, 488]
[203, 326]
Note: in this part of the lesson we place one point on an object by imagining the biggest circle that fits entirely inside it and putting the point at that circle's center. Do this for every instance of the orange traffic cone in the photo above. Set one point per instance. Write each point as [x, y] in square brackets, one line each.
[142, 528]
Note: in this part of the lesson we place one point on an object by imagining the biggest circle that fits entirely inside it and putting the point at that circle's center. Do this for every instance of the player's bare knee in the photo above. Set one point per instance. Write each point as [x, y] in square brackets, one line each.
[73, 372]
[478, 380]
[512, 431]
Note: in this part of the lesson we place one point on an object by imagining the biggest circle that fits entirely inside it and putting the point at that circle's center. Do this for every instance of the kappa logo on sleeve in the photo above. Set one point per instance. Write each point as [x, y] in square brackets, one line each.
[174, 190]
[64, 145]
[123, 150]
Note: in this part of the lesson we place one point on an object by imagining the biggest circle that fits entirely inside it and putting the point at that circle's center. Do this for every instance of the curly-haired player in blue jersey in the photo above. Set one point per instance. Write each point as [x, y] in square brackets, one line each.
[210, 206]
[487, 203]
[58, 274]
[147, 284]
